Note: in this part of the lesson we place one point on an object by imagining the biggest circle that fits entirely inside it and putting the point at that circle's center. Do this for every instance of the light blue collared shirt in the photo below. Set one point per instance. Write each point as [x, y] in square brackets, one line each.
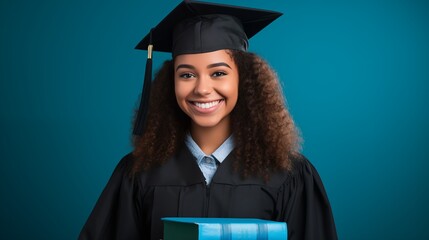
[207, 163]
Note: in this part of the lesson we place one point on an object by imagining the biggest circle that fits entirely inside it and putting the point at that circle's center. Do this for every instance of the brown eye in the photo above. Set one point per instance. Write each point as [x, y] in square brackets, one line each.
[219, 74]
[186, 75]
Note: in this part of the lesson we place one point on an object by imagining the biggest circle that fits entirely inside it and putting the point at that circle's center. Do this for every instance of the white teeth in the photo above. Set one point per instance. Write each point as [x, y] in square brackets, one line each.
[207, 105]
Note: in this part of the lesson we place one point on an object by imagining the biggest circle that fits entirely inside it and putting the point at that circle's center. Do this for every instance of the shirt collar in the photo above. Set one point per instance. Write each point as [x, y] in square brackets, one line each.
[219, 154]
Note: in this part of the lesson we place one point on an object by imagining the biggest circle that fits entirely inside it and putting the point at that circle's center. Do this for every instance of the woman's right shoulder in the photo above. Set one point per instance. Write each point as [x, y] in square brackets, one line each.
[129, 167]
[125, 168]
[126, 163]
[165, 173]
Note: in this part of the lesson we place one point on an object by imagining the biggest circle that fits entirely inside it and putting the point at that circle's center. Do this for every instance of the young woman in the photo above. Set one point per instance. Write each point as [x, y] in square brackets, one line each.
[218, 140]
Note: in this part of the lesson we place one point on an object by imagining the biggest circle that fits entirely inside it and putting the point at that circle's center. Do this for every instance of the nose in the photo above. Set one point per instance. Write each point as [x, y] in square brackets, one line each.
[203, 86]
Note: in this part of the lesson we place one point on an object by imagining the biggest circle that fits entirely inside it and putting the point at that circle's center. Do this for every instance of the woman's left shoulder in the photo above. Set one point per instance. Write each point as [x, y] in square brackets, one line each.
[306, 206]
[300, 170]
[301, 165]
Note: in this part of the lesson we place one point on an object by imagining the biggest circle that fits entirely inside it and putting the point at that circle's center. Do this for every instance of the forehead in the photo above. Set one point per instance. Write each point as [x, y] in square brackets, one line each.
[204, 59]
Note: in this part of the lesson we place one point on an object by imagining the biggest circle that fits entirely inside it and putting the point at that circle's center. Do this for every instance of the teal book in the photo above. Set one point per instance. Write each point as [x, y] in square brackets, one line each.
[182, 228]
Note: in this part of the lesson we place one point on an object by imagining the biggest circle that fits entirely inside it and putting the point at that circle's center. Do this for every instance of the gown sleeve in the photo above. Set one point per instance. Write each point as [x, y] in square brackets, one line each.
[305, 205]
[115, 215]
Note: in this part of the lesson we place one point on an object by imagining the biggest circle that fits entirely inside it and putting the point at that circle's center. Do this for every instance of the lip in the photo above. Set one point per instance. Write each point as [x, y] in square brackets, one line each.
[205, 111]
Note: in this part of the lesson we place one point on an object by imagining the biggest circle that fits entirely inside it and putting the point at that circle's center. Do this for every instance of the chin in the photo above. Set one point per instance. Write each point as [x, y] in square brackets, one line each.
[208, 122]
[205, 123]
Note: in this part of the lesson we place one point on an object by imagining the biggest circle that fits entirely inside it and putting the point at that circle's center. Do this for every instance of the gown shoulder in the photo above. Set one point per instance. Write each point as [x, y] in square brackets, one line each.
[305, 205]
[116, 213]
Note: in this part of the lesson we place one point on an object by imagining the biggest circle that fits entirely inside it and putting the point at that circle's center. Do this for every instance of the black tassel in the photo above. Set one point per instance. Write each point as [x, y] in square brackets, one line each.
[140, 122]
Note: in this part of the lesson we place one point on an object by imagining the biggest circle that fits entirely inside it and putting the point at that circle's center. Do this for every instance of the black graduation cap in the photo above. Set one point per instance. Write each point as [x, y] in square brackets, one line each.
[198, 27]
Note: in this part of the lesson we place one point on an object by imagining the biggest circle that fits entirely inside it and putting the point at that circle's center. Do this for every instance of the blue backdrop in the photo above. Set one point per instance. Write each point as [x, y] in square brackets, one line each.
[355, 74]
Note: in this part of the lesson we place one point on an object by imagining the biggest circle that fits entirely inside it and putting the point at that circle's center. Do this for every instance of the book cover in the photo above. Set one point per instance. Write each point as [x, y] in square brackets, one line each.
[183, 228]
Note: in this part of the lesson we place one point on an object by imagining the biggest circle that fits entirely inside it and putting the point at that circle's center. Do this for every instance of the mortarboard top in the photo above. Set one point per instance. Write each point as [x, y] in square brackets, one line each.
[197, 27]
[252, 21]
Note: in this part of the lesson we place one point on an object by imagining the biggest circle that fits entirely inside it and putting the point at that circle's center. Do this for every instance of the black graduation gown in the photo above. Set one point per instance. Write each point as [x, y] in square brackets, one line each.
[133, 208]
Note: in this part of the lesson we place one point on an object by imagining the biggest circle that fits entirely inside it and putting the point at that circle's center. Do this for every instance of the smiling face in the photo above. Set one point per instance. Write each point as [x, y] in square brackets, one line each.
[206, 87]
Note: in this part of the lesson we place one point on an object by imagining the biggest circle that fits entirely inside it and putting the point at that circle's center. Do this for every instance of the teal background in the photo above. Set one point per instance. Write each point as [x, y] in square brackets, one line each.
[355, 74]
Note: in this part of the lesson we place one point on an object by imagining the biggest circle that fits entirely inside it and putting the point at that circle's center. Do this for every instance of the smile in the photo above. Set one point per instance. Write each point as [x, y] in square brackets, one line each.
[207, 105]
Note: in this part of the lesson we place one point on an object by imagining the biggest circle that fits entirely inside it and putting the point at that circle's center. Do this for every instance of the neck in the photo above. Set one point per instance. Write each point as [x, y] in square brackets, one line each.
[210, 138]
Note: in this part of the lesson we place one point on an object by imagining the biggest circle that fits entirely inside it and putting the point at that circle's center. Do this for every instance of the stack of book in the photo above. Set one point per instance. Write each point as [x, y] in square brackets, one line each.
[179, 228]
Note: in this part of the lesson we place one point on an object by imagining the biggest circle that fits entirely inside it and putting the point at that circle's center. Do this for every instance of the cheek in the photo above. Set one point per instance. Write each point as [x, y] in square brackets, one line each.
[179, 95]
[234, 91]
[231, 90]
[182, 90]
[179, 90]
[231, 93]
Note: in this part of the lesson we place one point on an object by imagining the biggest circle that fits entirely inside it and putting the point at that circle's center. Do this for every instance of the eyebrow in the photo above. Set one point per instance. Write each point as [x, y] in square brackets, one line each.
[218, 65]
[213, 65]
[185, 66]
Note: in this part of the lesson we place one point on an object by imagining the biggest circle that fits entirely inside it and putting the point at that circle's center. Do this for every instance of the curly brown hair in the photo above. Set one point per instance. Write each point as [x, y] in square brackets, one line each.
[265, 135]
